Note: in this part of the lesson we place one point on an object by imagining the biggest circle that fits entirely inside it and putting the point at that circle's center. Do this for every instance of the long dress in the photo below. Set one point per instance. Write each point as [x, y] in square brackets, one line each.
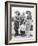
[16, 26]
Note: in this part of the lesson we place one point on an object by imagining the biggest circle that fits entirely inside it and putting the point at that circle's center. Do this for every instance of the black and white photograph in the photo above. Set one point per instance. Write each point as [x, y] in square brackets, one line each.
[21, 22]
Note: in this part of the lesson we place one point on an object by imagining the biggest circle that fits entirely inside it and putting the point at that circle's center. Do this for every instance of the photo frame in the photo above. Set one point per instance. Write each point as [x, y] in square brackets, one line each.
[20, 22]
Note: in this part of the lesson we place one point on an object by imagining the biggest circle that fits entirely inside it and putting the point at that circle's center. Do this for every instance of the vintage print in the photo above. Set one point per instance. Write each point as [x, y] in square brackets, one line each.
[22, 22]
